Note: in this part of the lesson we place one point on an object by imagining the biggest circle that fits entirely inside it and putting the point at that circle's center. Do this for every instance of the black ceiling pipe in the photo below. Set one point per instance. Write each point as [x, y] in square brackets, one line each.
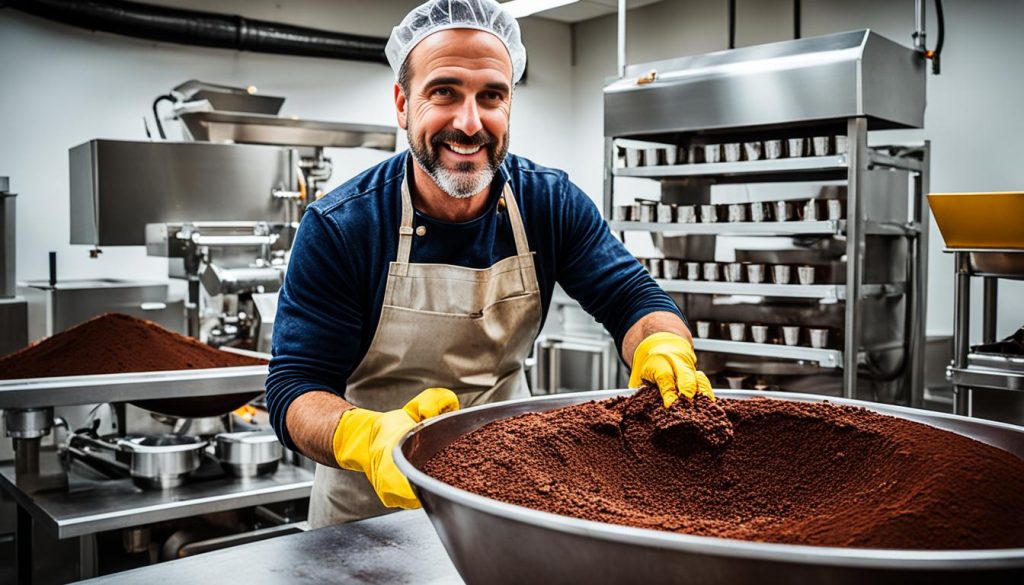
[205, 29]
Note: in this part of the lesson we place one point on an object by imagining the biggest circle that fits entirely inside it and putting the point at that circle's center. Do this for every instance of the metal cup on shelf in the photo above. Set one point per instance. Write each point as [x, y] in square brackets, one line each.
[732, 151]
[772, 149]
[759, 333]
[734, 272]
[654, 267]
[622, 213]
[634, 213]
[809, 211]
[796, 147]
[704, 329]
[791, 334]
[819, 337]
[781, 273]
[670, 268]
[805, 274]
[686, 214]
[648, 211]
[672, 155]
[693, 271]
[652, 156]
[783, 211]
[737, 212]
[695, 154]
[710, 271]
[842, 143]
[735, 382]
[752, 150]
[709, 213]
[835, 209]
[664, 213]
[737, 331]
[712, 153]
[760, 211]
[755, 273]
[821, 145]
[634, 157]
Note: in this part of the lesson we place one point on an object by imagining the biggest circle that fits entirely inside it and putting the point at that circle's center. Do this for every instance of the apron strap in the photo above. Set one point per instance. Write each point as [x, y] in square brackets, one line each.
[526, 269]
[405, 230]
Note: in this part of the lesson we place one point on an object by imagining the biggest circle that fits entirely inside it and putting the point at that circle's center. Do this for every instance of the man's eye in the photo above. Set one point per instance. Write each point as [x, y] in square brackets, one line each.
[443, 92]
[493, 96]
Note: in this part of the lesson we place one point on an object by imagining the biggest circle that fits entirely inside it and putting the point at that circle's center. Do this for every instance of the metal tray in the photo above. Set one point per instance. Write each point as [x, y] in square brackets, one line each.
[69, 390]
[495, 542]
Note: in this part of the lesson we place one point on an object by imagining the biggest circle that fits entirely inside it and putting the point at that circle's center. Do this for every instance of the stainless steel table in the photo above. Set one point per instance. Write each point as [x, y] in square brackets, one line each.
[397, 548]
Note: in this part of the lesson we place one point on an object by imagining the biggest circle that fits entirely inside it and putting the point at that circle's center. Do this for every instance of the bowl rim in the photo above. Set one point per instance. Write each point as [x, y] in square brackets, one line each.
[908, 559]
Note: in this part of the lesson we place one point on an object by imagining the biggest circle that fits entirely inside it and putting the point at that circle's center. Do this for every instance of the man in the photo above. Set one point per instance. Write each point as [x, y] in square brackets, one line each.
[434, 270]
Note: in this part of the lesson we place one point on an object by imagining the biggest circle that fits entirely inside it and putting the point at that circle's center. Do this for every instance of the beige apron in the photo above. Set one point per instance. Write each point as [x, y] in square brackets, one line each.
[440, 326]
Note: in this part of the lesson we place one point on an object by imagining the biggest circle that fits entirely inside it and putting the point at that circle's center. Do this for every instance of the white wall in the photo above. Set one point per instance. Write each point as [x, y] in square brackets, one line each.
[973, 117]
[63, 86]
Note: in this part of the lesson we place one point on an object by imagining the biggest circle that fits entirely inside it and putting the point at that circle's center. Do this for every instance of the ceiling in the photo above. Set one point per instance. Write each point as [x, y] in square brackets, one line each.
[587, 9]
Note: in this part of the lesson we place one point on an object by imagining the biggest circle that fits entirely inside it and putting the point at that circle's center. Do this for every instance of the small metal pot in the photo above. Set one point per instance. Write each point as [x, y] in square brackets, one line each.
[712, 153]
[249, 453]
[654, 267]
[709, 213]
[783, 211]
[805, 274]
[835, 209]
[791, 334]
[634, 157]
[796, 147]
[665, 213]
[737, 331]
[711, 271]
[622, 213]
[772, 149]
[819, 337]
[821, 145]
[732, 151]
[734, 272]
[755, 273]
[163, 461]
[753, 150]
[686, 214]
[760, 211]
[693, 271]
[704, 329]
[648, 211]
[737, 212]
[670, 268]
[842, 143]
[652, 156]
[782, 273]
[810, 211]
[759, 333]
[672, 155]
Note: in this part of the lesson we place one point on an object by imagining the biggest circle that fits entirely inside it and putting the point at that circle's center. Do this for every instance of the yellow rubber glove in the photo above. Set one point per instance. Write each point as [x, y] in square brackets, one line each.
[365, 439]
[667, 359]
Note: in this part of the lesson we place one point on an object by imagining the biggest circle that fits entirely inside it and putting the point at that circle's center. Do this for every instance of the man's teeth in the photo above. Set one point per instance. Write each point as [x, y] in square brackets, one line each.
[464, 149]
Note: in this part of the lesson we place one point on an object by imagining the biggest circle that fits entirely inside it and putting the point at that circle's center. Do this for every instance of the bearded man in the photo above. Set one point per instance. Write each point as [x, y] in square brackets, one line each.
[421, 284]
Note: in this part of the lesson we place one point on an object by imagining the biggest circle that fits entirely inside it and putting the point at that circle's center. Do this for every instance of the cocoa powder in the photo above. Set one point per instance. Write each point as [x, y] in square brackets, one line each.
[799, 473]
[114, 343]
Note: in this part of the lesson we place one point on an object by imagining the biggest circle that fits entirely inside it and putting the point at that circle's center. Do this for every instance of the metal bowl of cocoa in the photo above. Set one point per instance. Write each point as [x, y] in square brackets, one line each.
[575, 488]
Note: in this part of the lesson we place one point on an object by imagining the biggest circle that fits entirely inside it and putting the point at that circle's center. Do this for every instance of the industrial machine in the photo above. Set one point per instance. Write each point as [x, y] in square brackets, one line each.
[223, 207]
[796, 250]
[13, 309]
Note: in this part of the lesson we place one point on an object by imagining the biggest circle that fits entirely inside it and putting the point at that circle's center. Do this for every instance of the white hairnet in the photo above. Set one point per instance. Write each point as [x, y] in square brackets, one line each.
[437, 15]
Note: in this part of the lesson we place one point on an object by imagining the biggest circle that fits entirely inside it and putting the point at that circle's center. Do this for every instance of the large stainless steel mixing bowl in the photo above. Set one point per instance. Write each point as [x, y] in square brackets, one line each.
[494, 542]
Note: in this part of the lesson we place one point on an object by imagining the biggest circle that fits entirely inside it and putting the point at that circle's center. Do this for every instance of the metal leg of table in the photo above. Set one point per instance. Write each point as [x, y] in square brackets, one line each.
[962, 330]
[990, 300]
[87, 556]
[23, 547]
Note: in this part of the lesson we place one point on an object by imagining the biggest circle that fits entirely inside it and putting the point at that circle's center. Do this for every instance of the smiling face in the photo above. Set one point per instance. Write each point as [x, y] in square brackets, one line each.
[455, 108]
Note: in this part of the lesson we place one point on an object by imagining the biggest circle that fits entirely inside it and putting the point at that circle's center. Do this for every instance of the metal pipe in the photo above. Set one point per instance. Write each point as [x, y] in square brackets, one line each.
[919, 25]
[622, 39]
[205, 29]
[961, 329]
[990, 300]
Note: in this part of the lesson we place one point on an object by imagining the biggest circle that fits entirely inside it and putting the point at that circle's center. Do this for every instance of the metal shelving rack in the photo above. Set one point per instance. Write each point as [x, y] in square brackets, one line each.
[973, 369]
[849, 84]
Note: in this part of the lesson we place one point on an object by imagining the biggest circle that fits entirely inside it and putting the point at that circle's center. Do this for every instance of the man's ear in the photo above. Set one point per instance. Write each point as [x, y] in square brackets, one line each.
[400, 107]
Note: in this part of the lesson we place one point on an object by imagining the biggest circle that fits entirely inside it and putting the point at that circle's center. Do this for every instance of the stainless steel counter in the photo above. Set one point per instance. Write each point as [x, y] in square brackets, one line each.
[397, 548]
[92, 505]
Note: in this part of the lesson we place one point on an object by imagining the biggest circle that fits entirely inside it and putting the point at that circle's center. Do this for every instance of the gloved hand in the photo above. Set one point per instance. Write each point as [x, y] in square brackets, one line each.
[667, 359]
[365, 439]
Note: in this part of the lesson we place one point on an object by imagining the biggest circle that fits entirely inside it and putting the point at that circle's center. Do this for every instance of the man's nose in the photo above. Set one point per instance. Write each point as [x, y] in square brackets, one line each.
[468, 118]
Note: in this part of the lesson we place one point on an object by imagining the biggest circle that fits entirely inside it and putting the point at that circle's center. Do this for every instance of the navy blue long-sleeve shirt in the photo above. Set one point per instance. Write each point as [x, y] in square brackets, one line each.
[334, 288]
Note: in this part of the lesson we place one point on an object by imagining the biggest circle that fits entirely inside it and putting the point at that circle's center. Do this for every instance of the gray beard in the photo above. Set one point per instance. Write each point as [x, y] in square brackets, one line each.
[458, 184]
